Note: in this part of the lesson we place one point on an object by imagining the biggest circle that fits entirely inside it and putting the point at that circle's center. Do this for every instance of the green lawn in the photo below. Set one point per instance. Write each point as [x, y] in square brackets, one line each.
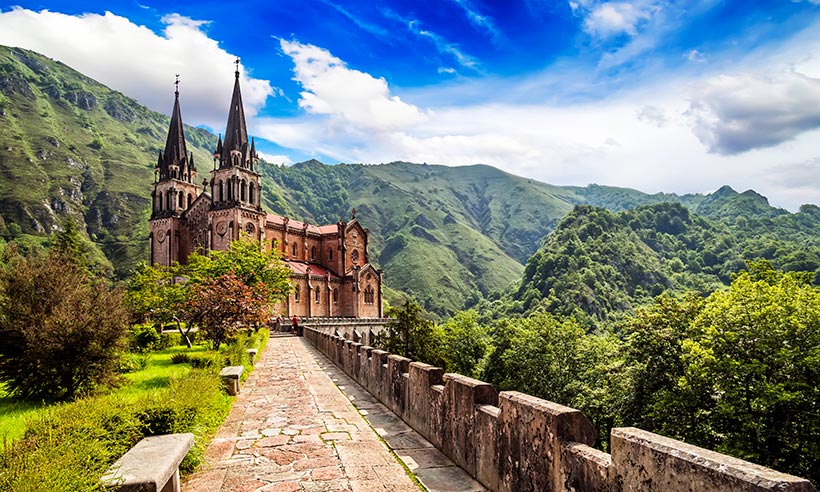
[157, 374]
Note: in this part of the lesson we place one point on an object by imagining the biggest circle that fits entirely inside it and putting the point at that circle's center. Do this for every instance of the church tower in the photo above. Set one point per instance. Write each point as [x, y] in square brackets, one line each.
[236, 205]
[174, 192]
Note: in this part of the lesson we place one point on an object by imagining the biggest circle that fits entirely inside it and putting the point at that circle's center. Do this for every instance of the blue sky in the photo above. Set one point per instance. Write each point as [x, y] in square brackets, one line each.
[678, 96]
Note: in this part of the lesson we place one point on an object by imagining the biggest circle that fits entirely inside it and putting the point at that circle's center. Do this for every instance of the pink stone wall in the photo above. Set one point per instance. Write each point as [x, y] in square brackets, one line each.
[513, 442]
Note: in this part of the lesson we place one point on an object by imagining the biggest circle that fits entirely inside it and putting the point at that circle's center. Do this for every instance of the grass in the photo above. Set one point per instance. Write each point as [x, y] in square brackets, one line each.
[158, 372]
[156, 375]
[13, 415]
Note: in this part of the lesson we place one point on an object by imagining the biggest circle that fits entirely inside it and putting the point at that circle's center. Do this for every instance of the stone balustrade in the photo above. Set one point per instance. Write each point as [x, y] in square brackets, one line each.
[513, 442]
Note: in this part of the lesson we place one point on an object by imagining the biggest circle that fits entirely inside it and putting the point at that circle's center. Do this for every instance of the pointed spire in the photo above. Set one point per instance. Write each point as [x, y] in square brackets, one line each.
[176, 152]
[236, 133]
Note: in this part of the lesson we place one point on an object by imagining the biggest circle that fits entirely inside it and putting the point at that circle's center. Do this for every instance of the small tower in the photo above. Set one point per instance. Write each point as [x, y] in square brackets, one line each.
[236, 204]
[174, 190]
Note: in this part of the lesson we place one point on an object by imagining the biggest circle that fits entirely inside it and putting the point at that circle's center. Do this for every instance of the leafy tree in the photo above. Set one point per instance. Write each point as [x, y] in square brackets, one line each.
[224, 305]
[557, 360]
[412, 336]
[157, 294]
[757, 357]
[654, 364]
[464, 343]
[247, 259]
[61, 329]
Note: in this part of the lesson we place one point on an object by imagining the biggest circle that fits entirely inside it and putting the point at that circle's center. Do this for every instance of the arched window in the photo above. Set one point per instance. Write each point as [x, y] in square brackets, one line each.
[251, 194]
[221, 192]
[336, 295]
[181, 199]
[190, 199]
[355, 256]
[296, 294]
[294, 250]
[329, 254]
[168, 201]
[242, 193]
[313, 252]
[318, 296]
[369, 296]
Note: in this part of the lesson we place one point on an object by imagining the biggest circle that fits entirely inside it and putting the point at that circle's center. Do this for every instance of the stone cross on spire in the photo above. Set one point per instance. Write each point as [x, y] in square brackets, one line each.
[176, 85]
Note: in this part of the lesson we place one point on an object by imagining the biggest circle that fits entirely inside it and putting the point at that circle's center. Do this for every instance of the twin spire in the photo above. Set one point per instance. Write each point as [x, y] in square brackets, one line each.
[177, 163]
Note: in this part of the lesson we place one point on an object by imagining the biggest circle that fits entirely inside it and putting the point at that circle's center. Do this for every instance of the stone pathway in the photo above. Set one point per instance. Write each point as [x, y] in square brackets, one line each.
[291, 429]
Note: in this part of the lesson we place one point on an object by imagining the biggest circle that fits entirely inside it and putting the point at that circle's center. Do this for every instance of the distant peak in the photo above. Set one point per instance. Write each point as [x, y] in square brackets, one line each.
[725, 190]
[310, 163]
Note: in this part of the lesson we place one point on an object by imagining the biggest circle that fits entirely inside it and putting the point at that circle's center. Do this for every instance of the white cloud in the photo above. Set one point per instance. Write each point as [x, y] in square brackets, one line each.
[331, 88]
[275, 158]
[609, 19]
[481, 21]
[696, 56]
[138, 62]
[737, 113]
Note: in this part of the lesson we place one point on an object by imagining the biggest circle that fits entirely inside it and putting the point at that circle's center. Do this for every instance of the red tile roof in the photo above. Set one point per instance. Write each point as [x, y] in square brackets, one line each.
[296, 224]
[300, 268]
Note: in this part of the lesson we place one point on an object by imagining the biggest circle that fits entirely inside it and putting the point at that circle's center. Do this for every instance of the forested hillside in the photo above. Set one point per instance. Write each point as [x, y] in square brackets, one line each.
[73, 148]
[598, 264]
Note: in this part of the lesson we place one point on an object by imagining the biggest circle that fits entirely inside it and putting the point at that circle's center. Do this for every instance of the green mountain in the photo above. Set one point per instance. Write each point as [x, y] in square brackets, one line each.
[71, 147]
[448, 236]
[445, 235]
[598, 264]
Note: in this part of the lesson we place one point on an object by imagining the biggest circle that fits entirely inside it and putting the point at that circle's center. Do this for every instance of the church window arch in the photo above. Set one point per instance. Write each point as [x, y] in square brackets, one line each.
[252, 194]
[329, 254]
[168, 200]
[313, 252]
[296, 294]
[242, 193]
[335, 295]
[369, 295]
[355, 256]
[221, 192]
[293, 250]
[190, 199]
[181, 199]
[318, 294]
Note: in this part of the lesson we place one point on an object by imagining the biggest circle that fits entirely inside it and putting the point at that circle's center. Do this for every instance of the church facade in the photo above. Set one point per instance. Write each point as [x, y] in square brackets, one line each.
[330, 269]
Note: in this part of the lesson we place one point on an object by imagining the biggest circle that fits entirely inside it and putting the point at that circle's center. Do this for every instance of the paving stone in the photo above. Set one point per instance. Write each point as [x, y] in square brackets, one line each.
[285, 430]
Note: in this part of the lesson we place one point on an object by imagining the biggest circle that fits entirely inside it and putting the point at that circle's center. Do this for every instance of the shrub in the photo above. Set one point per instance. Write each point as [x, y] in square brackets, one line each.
[144, 337]
[168, 340]
[133, 362]
[61, 329]
[180, 358]
[69, 447]
[206, 361]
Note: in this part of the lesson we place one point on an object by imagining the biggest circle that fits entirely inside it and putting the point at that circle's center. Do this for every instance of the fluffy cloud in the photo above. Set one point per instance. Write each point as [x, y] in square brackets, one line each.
[136, 61]
[331, 88]
[737, 113]
[608, 19]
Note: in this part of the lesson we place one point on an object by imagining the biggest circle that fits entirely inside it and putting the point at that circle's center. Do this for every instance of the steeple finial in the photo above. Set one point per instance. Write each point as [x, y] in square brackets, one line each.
[176, 85]
[237, 67]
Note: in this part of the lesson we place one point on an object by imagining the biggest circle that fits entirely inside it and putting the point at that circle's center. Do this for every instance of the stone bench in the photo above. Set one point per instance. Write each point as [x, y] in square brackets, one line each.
[252, 354]
[150, 466]
[230, 378]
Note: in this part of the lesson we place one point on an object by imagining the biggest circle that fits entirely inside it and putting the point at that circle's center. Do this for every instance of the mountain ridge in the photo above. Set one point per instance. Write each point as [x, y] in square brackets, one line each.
[448, 236]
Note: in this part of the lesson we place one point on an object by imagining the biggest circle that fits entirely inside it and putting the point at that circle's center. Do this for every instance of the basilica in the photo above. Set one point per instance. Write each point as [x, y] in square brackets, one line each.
[330, 269]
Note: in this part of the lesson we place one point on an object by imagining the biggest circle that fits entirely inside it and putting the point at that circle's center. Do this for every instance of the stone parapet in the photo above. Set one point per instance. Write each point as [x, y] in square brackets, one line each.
[513, 442]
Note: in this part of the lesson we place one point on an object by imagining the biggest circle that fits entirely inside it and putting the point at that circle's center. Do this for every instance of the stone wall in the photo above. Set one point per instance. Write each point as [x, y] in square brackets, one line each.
[513, 442]
[362, 330]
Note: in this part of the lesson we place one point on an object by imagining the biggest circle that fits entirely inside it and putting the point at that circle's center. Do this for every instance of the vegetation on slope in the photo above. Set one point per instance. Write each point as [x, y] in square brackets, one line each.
[71, 147]
[598, 264]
